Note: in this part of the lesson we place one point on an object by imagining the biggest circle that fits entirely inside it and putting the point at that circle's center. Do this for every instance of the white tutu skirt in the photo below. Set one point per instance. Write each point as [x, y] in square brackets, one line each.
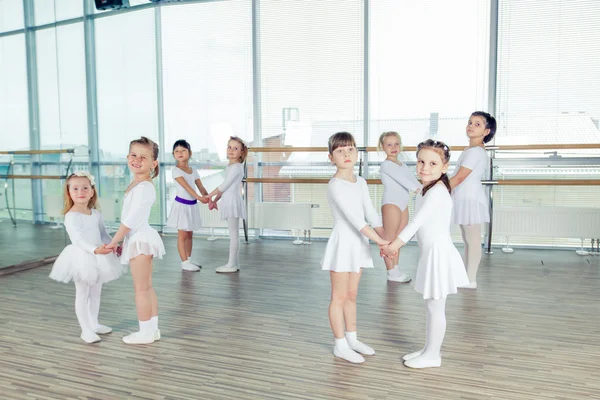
[347, 251]
[76, 264]
[146, 241]
[185, 217]
[232, 206]
[440, 270]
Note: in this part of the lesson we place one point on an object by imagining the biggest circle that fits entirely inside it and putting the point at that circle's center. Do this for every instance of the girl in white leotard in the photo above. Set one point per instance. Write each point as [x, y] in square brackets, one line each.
[397, 181]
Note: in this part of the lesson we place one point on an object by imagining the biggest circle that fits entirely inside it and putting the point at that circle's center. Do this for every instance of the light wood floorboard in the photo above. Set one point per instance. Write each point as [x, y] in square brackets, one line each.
[531, 331]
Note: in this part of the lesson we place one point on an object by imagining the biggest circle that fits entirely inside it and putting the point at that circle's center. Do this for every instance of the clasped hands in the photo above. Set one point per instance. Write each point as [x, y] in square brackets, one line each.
[109, 248]
[212, 203]
[390, 249]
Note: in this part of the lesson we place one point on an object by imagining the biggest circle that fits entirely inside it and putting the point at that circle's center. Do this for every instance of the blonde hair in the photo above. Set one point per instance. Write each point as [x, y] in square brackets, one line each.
[68, 201]
[387, 134]
[144, 141]
[244, 147]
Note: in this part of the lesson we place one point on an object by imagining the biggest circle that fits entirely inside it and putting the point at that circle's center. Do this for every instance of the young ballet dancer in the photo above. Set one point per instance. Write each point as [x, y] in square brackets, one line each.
[232, 204]
[86, 261]
[440, 268]
[471, 205]
[185, 215]
[141, 243]
[348, 250]
[397, 181]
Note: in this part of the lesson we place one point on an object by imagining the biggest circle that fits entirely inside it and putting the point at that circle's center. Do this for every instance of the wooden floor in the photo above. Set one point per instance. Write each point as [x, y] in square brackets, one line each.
[531, 331]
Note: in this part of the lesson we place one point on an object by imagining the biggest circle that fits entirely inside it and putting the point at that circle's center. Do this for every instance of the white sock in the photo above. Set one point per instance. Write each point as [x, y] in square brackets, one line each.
[351, 338]
[341, 343]
[436, 327]
[394, 271]
[146, 326]
[154, 321]
[82, 295]
[234, 241]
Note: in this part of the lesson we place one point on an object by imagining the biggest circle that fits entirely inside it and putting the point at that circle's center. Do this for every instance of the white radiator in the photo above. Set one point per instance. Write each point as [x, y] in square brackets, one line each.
[284, 216]
[559, 222]
[211, 218]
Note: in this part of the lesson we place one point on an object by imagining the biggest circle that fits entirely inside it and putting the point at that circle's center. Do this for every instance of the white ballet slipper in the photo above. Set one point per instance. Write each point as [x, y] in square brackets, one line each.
[361, 348]
[196, 263]
[103, 330]
[401, 278]
[157, 335]
[188, 266]
[139, 338]
[472, 285]
[412, 355]
[422, 362]
[348, 354]
[227, 269]
[90, 337]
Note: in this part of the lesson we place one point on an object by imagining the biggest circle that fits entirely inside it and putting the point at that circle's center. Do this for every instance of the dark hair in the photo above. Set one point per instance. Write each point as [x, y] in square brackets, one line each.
[340, 139]
[182, 143]
[144, 141]
[244, 147]
[444, 151]
[490, 123]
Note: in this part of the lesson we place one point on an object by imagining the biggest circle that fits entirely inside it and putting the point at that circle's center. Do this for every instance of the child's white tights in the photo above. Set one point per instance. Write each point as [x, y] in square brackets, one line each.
[234, 242]
[471, 235]
[436, 327]
[87, 305]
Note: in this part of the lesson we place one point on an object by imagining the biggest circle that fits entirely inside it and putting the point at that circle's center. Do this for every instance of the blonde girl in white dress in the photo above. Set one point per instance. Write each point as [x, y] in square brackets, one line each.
[86, 261]
[232, 205]
[471, 204]
[185, 215]
[440, 270]
[355, 221]
[397, 182]
[141, 243]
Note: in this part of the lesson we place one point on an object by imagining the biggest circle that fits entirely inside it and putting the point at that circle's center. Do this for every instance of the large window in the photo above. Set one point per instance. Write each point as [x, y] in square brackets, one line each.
[14, 117]
[49, 11]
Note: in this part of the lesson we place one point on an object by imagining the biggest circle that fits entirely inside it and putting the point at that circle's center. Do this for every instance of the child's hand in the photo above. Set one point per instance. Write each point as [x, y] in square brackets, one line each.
[119, 250]
[103, 250]
[202, 199]
[212, 205]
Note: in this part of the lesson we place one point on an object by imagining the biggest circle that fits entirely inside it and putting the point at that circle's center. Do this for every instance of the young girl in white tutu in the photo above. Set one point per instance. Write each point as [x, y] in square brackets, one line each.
[348, 250]
[141, 243]
[440, 270]
[397, 181]
[185, 215]
[86, 261]
[232, 205]
[471, 204]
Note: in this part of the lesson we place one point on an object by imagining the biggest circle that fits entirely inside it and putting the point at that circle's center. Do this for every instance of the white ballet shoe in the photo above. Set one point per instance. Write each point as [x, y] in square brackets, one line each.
[361, 348]
[348, 354]
[103, 330]
[401, 278]
[139, 338]
[188, 266]
[472, 285]
[421, 362]
[157, 335]
[196, 263]
[415, 354]
[90, 337]
[227, 269]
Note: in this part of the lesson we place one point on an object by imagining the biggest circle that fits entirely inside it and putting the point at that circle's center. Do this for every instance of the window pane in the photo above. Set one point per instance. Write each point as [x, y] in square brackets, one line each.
[207, 75]
[61, 85]
[311, 57]
[14, 117]
[11, 15]
[548, 75]
[48, 11]
[429, 86]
